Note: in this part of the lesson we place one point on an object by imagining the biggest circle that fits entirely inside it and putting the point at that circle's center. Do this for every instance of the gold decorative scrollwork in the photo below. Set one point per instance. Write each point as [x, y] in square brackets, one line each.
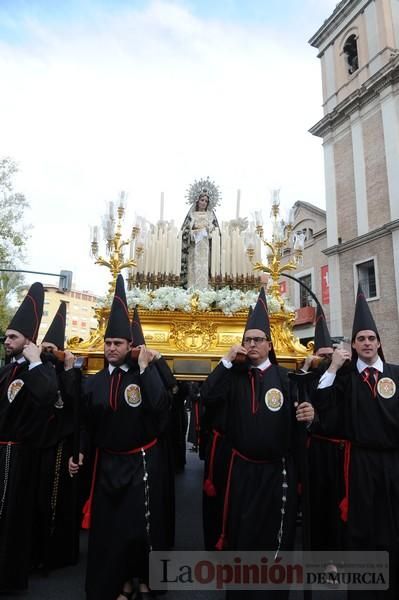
[193, 336]
[229, 339]
[284, 342]
[197, 333]
[156, 337]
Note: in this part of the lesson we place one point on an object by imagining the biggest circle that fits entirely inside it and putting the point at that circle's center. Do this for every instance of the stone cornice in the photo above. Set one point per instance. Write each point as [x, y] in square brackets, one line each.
[386, 76]
[309, 207]
[341, 11]
[366, 238]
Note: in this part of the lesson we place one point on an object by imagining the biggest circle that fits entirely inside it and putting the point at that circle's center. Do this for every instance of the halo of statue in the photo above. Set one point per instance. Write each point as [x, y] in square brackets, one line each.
[204, 187]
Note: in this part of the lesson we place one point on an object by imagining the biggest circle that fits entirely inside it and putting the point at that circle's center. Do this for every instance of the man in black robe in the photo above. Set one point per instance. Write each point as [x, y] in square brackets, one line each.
[358, 400]
[56, 523]
[259, 428]
[125, 403]
[325, 453]
[28, 388]
[168, 427]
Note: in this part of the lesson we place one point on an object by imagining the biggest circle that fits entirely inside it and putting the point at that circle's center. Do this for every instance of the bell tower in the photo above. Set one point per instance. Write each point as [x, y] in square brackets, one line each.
[358, 47]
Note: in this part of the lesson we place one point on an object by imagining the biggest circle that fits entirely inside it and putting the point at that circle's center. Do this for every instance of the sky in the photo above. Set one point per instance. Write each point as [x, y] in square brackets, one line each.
[147, 96]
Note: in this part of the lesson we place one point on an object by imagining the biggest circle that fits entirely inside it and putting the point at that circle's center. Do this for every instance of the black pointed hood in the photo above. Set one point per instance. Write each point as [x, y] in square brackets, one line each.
[363, 320]
[56, 332]
[28, 316]
[250, 311]
[137, 331]
[119, 322]
[322, 338]
[259, 319]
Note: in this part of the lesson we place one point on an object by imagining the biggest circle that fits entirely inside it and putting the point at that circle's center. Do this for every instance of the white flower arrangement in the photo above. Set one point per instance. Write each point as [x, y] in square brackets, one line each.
[175, 298]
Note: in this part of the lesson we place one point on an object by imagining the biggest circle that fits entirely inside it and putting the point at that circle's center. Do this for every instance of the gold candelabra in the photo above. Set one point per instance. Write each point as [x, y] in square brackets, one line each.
[281, 240]
[112, 226]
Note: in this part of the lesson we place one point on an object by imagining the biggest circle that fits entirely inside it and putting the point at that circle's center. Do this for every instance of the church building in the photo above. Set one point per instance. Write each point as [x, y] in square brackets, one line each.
[358, 47]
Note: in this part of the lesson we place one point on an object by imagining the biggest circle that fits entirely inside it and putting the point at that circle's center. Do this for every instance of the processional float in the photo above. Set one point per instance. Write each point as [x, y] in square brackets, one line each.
[194, 328]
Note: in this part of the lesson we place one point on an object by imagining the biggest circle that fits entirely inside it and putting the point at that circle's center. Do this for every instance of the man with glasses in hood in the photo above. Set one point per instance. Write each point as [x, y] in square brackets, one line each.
[259, 422]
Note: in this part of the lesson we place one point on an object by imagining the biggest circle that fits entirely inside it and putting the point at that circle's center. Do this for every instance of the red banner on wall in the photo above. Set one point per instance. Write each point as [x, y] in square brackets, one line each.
[325, 287]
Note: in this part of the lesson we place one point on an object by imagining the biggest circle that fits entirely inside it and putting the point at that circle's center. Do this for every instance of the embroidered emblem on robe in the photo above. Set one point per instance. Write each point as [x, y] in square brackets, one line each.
[133, 395]
[274, 399]
[14, 388]
[386, 387]
[59, 403]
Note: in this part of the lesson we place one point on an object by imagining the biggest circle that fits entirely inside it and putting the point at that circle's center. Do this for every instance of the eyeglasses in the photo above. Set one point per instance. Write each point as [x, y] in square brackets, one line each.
[256, 340]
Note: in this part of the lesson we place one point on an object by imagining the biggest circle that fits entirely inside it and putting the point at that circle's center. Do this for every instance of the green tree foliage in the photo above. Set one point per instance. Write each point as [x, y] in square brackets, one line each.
[12, 208]
[13, 235]
[9, 282]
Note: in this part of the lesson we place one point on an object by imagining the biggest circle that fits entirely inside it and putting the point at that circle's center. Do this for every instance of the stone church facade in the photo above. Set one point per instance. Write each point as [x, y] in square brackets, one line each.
[358, 47]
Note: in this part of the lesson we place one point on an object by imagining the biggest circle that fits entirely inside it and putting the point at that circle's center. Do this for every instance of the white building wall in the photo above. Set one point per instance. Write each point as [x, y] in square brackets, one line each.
[395, 245]
[331, 194]
[394, 5]
[390, 120]
[359, 174]
[335, 295]
[373, 38]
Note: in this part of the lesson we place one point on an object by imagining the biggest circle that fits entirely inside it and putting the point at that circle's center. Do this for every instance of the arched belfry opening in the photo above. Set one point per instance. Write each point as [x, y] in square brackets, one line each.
[351, 54]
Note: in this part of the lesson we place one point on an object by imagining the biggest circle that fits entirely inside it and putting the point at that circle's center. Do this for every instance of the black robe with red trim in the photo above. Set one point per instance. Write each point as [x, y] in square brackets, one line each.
[22, 417]
[263, 435]
[57, 518]
[123, 415]
[325, 457]
[348, 410]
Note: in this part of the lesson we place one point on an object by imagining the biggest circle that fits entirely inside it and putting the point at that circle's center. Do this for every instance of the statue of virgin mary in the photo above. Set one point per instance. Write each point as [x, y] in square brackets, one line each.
[197, 231]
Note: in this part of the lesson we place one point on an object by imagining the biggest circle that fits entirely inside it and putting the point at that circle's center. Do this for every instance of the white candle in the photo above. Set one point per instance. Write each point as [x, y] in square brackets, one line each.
[150, 251]
[162, 206]
[238, 204]
[217, 253]
[167, 252]
[178, 254]
[146, 258]
[164, 250]
[240, 255]
[233, 268]
[172, 250]
[238, 252]
[160, 252]
[223, 252]
[223, 262]
[213, 254]
[160, 249]
[228, 253]
[156, 254]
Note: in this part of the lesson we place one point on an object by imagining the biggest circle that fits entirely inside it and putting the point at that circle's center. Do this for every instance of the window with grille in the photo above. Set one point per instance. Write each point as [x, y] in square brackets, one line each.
[366, 275]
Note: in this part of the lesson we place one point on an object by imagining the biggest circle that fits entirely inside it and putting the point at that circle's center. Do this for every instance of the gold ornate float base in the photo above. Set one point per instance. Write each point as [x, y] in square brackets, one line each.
[194, 342]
